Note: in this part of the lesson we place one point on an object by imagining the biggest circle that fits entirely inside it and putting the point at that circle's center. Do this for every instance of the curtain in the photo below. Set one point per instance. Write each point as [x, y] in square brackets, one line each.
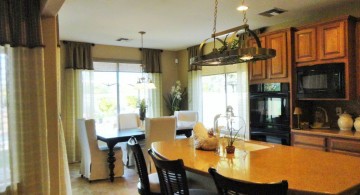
[24, 145]
[20, 23]
[243, 95]
[155, 106]
[192, 52]
[194, 84]
[78, 93]
[151, 58]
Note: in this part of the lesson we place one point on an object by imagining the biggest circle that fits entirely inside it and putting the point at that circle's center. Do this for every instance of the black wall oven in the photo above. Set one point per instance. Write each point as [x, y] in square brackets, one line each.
[270, 112]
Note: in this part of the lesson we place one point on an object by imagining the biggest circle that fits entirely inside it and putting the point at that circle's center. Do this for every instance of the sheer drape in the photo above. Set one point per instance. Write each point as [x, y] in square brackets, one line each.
[78, 93]
[155, 107]
[194, 84]
[24, 138]
[26, 169]
[243, 94]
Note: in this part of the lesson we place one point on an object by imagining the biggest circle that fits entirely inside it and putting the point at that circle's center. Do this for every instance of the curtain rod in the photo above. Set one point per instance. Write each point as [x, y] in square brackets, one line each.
[155, 49]
[65, 42]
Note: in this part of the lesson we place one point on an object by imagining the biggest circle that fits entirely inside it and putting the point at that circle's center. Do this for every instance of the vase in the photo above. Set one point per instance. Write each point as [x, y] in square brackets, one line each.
[357, 124]
[142, 115]
[345, 122]
[230, 149]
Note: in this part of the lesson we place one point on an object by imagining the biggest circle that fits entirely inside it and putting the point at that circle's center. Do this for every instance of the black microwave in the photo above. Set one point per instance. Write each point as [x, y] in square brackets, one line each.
[321, 81]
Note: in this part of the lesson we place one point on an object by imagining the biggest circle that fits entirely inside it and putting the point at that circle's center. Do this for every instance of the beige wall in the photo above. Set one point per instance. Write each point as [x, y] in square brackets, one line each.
[127, 54]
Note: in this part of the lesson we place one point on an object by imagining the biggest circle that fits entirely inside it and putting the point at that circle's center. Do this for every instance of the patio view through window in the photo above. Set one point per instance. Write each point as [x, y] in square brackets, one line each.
[219, 91]
[114, 92]
[4, 137]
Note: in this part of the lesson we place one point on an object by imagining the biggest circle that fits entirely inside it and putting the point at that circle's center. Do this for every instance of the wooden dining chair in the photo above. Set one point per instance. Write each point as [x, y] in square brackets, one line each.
[172, 177]
[227, 186]
[148, 183]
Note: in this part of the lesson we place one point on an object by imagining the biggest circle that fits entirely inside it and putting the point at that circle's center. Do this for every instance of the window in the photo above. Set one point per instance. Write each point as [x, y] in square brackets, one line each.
[114, 92]
[219, 91]
[4, 137]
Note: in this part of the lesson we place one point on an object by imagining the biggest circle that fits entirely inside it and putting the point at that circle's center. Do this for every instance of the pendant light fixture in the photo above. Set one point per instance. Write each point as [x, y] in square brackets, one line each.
[143, 83]
[227, 54]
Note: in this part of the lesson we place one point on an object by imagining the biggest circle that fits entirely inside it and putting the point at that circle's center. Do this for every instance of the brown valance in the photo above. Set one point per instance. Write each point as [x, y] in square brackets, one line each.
[78, 55]
[20, 23]
[151, 58]
[192, 52]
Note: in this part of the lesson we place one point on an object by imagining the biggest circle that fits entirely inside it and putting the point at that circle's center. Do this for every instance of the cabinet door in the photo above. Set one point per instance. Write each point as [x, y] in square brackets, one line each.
[305, 45]
[344, 146]
[309, 141]
[332, 40]
[257, 69]
[277, 66]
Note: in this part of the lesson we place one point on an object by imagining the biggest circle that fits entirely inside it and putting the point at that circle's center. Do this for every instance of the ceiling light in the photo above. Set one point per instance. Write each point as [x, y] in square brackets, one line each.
[227, 54]
[242, 8]
[142, 82]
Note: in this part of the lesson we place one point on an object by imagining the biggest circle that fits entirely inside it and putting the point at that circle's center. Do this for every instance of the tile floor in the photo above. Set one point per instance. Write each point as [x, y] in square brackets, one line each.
[125, 185]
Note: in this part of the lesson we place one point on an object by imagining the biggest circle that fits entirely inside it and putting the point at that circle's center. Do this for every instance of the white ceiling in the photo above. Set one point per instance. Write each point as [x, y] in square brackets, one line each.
[174, 24]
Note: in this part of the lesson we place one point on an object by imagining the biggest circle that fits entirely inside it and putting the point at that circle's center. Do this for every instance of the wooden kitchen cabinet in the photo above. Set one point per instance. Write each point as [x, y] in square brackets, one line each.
[305, 45]
[329, 42]
[257, 69]
[327, 140]
[273, 68]
[326, 42]
[309, 141]
[344, 146]
[332, 40]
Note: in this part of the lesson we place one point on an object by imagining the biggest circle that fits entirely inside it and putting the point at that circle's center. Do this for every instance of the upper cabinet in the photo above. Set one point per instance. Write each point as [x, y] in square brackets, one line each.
[305, 49]
[275, 69]
[329, 42]
[325, 42]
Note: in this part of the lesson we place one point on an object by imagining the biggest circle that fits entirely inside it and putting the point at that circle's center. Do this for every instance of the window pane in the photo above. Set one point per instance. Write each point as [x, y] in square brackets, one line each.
[4, 136]
[213, 98]
[105, 99]
[232, 93]
[129, 95]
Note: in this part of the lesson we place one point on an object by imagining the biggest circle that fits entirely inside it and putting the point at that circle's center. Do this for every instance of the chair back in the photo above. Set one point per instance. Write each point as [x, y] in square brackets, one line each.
[227, 186]
[186, 119]
[84, 147]
[159, 129]
[129, 121]
[91, 135]
[172, 175]
[140, 164]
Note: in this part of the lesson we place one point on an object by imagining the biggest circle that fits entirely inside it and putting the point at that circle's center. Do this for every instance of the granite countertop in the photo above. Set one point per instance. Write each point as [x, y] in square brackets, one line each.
[330, 133]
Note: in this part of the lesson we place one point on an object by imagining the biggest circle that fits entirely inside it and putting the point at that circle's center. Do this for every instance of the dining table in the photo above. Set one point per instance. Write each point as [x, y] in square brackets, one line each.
[114, 136]
[307, 171]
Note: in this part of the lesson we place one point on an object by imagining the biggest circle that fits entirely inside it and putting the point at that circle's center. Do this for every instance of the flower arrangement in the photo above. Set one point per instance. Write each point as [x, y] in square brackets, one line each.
[175, 98]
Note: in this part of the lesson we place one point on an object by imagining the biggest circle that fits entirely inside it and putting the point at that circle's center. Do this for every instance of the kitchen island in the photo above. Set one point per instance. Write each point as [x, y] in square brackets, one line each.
[307, 171]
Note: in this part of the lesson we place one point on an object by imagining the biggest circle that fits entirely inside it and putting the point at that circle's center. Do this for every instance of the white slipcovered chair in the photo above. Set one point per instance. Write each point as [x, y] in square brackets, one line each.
[94, 165]
[158, 129]
[129, 121]
[185, 121]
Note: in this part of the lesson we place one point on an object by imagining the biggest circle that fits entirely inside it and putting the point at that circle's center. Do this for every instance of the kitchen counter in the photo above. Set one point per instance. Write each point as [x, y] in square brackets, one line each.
[330, 133]
[307, 171]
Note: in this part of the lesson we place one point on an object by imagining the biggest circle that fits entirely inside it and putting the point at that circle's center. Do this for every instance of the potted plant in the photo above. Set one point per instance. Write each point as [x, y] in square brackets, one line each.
[232, 129]
[142, 109]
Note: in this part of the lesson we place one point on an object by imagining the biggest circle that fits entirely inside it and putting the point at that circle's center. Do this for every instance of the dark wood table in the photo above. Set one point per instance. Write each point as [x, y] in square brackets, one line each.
[112, 137]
